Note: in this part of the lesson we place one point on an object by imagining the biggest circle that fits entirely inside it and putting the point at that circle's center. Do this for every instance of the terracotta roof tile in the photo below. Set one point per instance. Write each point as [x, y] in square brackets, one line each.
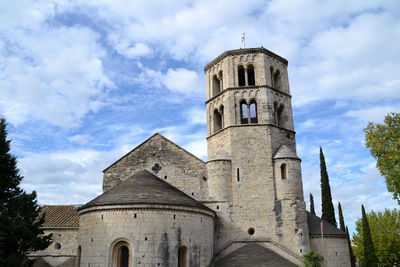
[60, 216]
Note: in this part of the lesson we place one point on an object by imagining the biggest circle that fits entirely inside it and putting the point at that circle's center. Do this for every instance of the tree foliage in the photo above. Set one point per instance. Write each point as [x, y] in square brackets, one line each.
[311, 259]
[341, 219]
[328, 211]
[352, 257]
[383, 139]
[312, 209]
[20, 224]
[385, 233]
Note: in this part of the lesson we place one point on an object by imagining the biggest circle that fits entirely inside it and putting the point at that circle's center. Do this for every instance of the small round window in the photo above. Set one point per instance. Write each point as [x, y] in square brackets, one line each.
[251, 231]
[57, 246]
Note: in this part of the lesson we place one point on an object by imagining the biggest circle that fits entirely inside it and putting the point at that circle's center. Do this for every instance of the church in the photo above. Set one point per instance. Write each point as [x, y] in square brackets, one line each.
[244, 206]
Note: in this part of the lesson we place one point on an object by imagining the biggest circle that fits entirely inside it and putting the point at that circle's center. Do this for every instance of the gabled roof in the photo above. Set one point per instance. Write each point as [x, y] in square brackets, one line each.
[60, 216]
[285, 152]
[314, 227]
[144, 188]
[156, 135]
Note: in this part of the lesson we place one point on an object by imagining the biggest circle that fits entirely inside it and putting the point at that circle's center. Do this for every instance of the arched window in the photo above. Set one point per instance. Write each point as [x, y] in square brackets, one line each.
[241, 76]
[217, 121]
[122, 255]
[216, 85]
[244, 113]
[78, 257]
[250, 75]
[253, 111]
[280, 116]
[182, 256]
[277, 80]
[271, 70]
[283, 171]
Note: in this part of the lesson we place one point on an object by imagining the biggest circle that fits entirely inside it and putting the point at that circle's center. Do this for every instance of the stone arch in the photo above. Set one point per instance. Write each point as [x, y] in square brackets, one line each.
[121, 253]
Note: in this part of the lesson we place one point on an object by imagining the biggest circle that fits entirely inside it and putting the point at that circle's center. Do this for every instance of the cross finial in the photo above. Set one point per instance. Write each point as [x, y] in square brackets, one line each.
[244, 40]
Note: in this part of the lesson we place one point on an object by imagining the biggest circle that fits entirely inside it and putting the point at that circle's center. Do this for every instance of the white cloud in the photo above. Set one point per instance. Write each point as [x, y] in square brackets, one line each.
[197, 116]
[125, 47]
[372, 114]
[80, 139]
[52, 74]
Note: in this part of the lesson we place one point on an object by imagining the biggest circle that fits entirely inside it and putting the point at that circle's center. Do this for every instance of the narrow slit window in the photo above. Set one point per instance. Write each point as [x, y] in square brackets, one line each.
[283, 171]
[238, 174]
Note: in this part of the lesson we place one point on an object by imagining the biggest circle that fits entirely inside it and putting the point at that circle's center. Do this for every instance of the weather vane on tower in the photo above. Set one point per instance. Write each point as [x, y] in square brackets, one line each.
[244, 40]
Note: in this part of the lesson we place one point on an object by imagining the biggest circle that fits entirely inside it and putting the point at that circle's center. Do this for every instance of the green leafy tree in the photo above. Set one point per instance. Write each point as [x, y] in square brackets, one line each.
[312, 210]
[328, 211]
[341, 219]
[383, 139]
[20, 231]
[385, 233]
[311, 259]
[352, 257]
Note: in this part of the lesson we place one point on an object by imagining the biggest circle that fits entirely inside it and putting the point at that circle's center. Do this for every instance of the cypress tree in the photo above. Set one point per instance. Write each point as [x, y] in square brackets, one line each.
[312, 210]
[341, 219]
[369, 250]
[328, 212]
[20, 230]
[352, 257]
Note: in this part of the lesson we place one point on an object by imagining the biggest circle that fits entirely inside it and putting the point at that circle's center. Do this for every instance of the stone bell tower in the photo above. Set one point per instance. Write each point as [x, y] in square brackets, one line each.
[254, 175]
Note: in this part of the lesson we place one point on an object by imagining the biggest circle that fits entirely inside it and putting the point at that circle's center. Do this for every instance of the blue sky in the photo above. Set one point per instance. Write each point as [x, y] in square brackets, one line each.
[84, 82]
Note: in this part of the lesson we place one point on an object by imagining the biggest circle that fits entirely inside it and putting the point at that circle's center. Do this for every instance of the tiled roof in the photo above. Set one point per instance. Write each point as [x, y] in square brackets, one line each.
[60, 216]
[314, 227]
[144, 188]
[253, 255]
[285, 152]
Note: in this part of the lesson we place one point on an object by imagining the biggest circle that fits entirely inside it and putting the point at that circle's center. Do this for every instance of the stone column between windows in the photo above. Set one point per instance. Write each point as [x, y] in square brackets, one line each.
[245, 77]
[248, 111]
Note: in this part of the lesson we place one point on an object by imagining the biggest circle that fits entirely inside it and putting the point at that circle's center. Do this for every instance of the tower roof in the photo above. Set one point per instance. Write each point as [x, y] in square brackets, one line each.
[245, 51]
[285, 152]
[144, 188]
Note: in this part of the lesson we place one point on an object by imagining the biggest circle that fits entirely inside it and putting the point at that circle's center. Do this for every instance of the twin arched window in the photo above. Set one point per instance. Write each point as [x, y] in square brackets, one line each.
[246, 76]
[248, 111]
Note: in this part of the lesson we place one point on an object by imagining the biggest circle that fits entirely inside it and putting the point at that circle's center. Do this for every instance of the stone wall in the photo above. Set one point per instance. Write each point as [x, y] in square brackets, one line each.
[62, 250]
[336, 250]
[154, 234]
[165, 160]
